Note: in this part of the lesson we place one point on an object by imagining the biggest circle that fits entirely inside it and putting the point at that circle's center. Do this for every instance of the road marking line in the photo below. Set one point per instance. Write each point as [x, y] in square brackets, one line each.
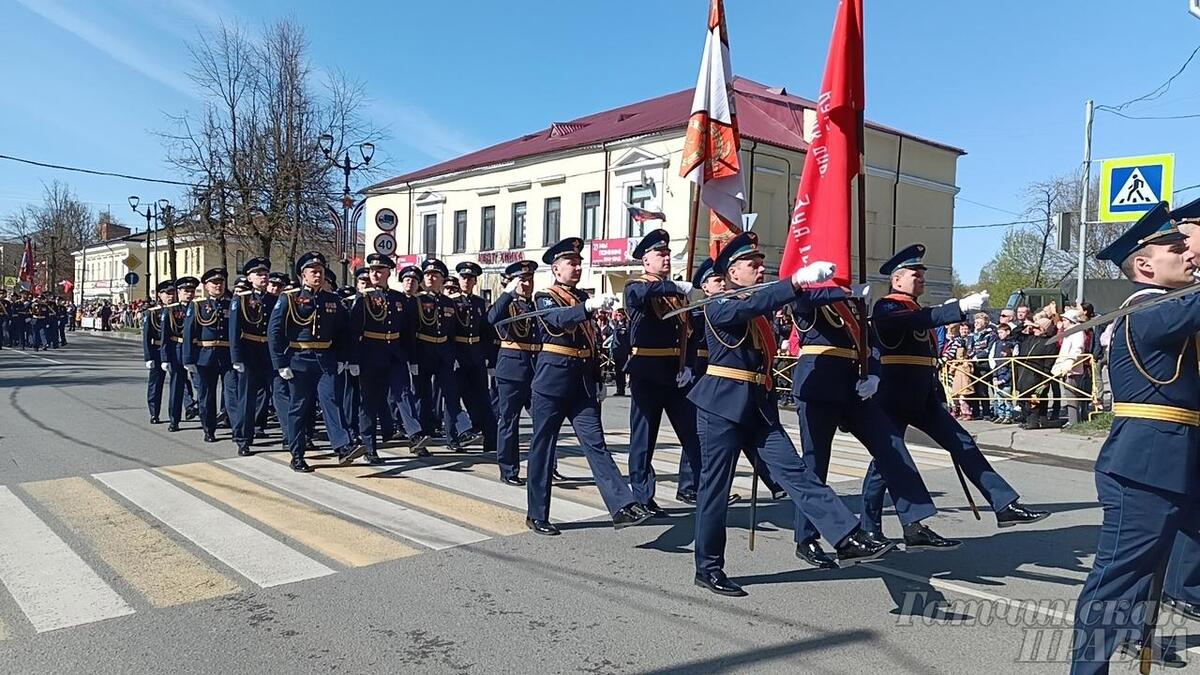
[476, 513]
[53, 586]
[413, 525]
[346, 542]
[260, 558]
[3, 632]
[1036, 607]
[36, 356]
[660, 469]
[152, 563]
[861, 454]
[564, 510]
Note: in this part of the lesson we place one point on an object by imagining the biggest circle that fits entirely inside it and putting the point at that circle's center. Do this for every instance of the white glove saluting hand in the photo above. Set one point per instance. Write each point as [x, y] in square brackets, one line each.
[286, 373]
[511, 286]
[684, 287]
[240, 367]
[973, 302]
[867, 388]
[602, 301]
[413, 368]
[814, 273]
[191, 368]
[861, 291]
[165, 366]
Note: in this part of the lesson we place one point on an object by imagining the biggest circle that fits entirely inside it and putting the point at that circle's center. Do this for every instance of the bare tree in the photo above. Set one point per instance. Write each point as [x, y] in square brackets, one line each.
[59, 225]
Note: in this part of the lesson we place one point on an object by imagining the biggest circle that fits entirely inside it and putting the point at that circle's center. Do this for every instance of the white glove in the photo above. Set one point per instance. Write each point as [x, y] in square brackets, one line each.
[602, 301]
[165, 366]
[867, 388]
[413, 368]
[601, 391]
[191, 368]
[862, 291]
[951, 301]
[353, 368]
[973, 302]
[814, 273]
[286, 373]
[684, 287]
[239, 367]
[341, 367]
[684, 377]
[491, 372]
[150, 365]
[511, 286]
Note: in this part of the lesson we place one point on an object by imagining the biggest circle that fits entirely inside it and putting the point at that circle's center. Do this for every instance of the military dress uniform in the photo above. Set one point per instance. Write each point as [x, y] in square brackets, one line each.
[206, 348]
[249, 354]
[346, 381]
[658, 368]
[39, 316]
[309, 342]
[152, 337]
[829, 393]
[279, 386]
[911, 395]
[1148, 470]
[18, 323]
[172, 321]
[567, 386]
[437, 327]
[738, 407]
[5, 306]
[472, 340]
[519, 347]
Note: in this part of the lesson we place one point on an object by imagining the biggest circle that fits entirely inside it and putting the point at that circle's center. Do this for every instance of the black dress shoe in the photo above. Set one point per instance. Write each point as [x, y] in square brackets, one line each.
[172, 427]
[1160, 654]
[918, 536]
[686, 496]
[811, 552]
[155, 420]
[779, 495]
[1016, 514]
[1182, 607]
[720, 584]
[469, 436]
[244, 451]
[628, 516]
[300, 466]
[417, 444]
[347, 455]
[191, 412]
[557, 476]
[860, 548]
[373, 458]
[542, 527]
[734, 498]
[877, 537]
[513, 480]
[655, 510]
[210, 437]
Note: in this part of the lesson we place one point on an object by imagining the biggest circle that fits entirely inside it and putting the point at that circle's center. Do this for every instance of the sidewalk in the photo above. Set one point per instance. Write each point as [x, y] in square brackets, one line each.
[1012, 438]
[125, 334]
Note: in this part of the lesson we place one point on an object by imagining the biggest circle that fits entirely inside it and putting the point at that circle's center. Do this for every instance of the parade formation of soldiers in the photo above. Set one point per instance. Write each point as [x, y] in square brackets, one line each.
[33, 322]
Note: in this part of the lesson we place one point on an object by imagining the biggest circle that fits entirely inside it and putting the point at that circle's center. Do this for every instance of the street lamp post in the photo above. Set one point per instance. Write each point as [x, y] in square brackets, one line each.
[149, 214]
[346, 239]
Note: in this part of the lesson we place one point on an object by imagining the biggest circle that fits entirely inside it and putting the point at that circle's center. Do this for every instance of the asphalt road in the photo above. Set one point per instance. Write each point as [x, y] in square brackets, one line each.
[124, 548]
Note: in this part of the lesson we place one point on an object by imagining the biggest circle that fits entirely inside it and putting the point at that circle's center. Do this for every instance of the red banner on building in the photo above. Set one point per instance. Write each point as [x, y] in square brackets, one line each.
[609, 252]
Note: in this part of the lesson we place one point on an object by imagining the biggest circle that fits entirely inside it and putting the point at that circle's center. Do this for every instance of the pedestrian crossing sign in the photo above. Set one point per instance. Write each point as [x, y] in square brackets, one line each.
[1131, 186]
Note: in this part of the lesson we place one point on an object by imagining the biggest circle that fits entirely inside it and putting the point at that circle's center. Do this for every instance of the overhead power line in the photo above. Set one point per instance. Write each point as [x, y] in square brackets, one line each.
[1155, 93]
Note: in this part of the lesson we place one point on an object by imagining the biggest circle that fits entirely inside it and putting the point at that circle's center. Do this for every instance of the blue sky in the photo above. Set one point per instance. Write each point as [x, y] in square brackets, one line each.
[89, 83]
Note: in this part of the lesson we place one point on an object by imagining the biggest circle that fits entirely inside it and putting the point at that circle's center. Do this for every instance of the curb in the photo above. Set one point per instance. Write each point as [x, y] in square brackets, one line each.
[110, 335]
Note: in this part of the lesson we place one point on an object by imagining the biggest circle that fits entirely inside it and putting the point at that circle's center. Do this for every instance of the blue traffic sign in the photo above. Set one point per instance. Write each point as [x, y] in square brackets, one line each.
[131, 278]
[1131, 186]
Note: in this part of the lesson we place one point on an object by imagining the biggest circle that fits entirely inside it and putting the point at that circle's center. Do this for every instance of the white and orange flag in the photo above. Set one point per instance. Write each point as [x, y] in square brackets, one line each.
[710, 151]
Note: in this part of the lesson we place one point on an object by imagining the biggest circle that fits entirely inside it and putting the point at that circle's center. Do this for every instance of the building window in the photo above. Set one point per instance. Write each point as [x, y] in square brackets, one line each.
[488, 240]
[550, 222]
[460, 231]
[589, 227]
[517, 236]
[430, 239]
[240, 259]
[637, 195]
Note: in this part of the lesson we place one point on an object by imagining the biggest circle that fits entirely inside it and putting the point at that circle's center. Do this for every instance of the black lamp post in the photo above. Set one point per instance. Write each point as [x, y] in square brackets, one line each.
[345, 241]
[150, 212]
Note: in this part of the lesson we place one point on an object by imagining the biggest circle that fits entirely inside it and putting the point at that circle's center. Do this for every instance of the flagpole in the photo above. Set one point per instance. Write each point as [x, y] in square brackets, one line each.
[693, 227]
[862, 198]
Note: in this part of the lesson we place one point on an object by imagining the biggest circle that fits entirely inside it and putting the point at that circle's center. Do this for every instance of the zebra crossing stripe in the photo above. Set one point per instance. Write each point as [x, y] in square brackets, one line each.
[51, 584]
[564, 510]
[257, 556]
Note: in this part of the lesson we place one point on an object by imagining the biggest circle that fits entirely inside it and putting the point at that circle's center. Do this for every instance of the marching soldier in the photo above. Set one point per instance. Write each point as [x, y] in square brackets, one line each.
[248, 351]
[833, 383]
[152, 338]
[276, 283]
[172, 321]
[1146, 473]
[347, 383]
[206, 346]
[410, 280]
[519, 347]
[18, 320]
[911, 395]
[5, 306]
[472, 342]
[658, 366]
[738, 407]
[435, 357]
[309, 346]
[567, 386]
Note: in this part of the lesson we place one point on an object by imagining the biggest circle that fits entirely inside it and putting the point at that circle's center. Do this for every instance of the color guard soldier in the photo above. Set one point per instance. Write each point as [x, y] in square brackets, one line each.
[911, 395]
[19, 320]
[567, 386]
[832, 390]
[1147, 476]
[658, 366]
[472, 342]
[5, 305]
[738, 407]
[307, 336]
[519, 347]
[174, 316]
[435, 357]
[206, 346]
[248, 351]
[152, 338]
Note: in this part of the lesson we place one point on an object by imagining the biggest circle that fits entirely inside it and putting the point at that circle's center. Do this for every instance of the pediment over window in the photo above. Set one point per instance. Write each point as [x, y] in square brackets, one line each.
[430, 198]
[636, 159]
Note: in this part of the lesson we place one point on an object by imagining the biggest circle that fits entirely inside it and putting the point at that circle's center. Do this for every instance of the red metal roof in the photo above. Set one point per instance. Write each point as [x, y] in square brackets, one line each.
[765, 114]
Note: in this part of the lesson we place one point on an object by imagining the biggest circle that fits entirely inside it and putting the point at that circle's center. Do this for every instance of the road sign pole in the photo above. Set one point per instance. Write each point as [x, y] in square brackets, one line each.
[1083, 204]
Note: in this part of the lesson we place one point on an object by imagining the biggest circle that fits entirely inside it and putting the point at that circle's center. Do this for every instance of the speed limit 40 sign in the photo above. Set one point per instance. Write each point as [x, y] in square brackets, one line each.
[385, 243]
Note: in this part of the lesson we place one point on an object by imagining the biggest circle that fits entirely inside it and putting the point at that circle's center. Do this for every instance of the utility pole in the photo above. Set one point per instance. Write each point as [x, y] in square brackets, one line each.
[1083, 204]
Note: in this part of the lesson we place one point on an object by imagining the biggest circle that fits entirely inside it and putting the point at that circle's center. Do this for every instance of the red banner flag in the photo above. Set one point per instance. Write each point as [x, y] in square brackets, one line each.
[710, 149]
[820, 227]
[27, 271]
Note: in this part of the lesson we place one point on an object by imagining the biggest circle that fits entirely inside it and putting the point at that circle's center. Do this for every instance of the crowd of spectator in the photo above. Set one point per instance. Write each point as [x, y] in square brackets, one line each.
[106, 315]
